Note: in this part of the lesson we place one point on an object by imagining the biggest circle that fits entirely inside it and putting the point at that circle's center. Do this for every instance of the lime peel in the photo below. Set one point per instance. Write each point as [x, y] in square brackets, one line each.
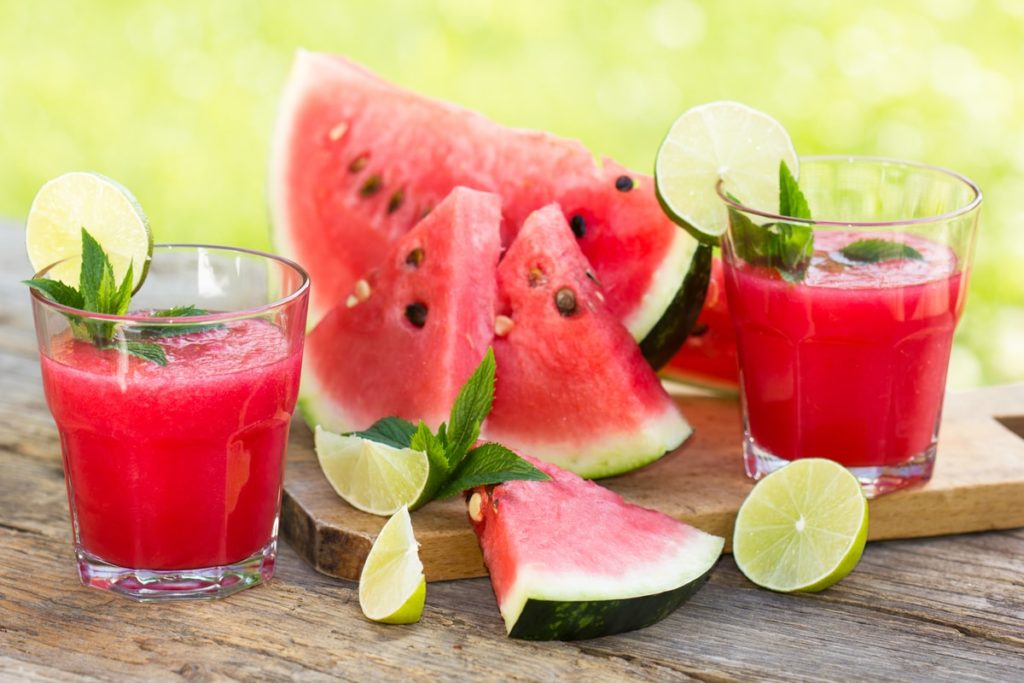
[802, 528]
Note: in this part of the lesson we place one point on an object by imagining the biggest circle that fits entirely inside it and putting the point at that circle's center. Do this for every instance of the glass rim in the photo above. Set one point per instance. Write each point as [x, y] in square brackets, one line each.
[973, 204]
[223, 316]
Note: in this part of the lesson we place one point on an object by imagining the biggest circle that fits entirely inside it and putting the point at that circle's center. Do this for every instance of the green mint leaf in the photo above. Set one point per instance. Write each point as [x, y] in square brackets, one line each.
[792, 202]
[145, 350]
[390, 431]
[56, 290]
[489, 463]
[424, 440]
[189, 311]
[794, 245]
[753, 243]
[95, 265]
[876, 250]
[470, 409]
[123, 296]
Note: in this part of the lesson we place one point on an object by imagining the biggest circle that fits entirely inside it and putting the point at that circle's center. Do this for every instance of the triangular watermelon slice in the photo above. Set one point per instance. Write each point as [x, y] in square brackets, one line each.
[413, 330]
[570, 559]
[572, 387]
[356, 162]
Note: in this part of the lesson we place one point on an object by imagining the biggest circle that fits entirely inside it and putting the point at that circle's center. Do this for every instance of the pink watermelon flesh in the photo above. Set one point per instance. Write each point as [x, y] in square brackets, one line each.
[572, 386]
[369, 359]
[356, 162]
[572, 541]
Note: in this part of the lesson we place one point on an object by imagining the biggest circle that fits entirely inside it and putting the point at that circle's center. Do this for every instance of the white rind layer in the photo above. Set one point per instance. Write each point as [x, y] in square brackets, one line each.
[694, 555]
[664, 286]
[614, 453]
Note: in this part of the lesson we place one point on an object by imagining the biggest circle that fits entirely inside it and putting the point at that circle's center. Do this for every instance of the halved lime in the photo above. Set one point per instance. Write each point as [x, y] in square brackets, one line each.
[802, 528]
[372, 476]
[68, 203]
[725, 141]
[392, 587]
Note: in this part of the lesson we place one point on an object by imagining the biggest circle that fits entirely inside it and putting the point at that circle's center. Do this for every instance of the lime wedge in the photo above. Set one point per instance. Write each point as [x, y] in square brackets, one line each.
[802, 528]
[370, 476]
[392, 587]
[102, 206]
[725, 141]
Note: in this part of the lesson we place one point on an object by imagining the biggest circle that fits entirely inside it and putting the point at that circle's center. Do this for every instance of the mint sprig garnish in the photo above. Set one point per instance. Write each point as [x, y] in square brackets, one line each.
[99, 292]
[454, 464]
[786, 247]
[875, 250]
[164, 331]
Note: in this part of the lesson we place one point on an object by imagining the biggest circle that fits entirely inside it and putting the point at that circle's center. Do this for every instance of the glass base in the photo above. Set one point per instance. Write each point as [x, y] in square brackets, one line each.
[152, 585]
[876, 480]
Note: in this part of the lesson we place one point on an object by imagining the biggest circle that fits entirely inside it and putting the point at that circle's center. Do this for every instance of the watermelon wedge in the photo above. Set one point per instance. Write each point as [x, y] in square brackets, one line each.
[415, 328]
[570, 559]
[572, 387]
[356, 162]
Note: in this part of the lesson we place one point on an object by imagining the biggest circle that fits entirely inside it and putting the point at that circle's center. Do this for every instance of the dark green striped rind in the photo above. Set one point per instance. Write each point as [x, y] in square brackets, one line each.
[676, 323]
[577, 620]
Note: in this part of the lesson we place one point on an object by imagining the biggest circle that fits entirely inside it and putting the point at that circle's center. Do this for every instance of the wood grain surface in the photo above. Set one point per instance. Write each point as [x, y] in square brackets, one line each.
[978, 485]
[938, 609]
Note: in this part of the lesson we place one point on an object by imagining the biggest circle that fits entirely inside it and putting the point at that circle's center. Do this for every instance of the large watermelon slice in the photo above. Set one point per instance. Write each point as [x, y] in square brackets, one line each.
[572, 387]
[708, 358]
[415, 328]
[356, 162]
[570, 559]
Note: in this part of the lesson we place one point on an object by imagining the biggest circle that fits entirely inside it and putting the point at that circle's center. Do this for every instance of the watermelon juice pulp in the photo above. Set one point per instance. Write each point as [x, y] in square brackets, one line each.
[175, 467]
[849, 364]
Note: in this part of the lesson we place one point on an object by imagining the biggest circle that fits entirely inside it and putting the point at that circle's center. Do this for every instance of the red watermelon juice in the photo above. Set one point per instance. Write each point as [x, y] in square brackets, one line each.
[850, 363]
[178, 466]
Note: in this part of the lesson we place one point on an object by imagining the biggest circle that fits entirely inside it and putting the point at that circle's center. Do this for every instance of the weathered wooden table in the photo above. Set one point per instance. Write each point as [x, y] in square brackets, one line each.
[935, 609]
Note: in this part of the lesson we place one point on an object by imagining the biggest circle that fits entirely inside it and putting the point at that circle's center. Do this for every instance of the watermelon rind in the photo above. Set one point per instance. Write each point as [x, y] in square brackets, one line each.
[662, 342]
[665, 290]
[578, 620]
[543, 605]
[613, 454]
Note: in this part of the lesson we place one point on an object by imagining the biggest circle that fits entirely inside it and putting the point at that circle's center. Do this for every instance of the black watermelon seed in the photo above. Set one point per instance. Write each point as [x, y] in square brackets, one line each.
[578, 225]
[396, 201]
[371, 186]
[699, 330]
[565, 301]
[425, 211]
[417, 314]
[359, 163]
[415, 257]
[623, 183]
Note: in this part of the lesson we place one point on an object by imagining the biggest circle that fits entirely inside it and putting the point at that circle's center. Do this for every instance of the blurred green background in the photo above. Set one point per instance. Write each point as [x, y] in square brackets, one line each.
[176, 99]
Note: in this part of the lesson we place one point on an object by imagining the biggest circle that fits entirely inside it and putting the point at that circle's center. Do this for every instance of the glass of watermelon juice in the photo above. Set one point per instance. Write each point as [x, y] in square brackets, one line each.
[844, 324]
[174, 471]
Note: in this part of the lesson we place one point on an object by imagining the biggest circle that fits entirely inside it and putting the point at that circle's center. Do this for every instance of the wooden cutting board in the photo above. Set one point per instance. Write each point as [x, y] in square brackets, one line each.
[978, 485]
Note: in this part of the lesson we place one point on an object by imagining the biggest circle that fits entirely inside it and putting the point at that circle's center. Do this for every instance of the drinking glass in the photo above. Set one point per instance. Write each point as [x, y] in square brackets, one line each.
[844, 321]
[174, 469]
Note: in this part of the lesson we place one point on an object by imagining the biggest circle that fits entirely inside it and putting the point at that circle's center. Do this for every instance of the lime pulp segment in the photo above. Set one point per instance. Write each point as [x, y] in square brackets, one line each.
[371, 476]
[802, 528]
[66, 204]
[392, 586]
[720, 141]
